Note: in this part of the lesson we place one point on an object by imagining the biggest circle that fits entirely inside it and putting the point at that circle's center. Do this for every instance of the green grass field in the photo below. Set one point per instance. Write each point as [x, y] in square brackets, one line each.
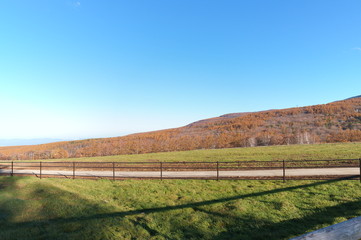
[32, 208]
[291, 152]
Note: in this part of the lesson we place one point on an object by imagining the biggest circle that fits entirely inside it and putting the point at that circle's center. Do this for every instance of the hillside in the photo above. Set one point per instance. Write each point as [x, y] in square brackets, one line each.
[334, 122]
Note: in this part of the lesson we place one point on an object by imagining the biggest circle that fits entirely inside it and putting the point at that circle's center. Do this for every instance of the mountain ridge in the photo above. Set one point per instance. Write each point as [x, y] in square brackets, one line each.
[359, 96]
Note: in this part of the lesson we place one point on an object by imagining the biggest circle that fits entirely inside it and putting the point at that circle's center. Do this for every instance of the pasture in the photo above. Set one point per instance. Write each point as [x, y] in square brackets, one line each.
[283, 152]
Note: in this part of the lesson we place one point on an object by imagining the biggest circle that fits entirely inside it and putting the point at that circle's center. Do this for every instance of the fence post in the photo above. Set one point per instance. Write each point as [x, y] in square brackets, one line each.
[40, 170]
[217, 171]
[161, 170]
[12, 169]
[113, 171]
[360, 168]
[284, 171]
[73, 170]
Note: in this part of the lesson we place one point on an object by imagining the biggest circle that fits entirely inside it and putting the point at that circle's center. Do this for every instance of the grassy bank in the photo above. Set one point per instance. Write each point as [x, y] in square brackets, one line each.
[294, 152]
[31, 208]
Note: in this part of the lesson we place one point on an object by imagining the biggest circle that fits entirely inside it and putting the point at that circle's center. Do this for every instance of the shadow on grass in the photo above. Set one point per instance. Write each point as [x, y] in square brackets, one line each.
[285, 229]
[44, 201]
[5, 212]
[72, 225]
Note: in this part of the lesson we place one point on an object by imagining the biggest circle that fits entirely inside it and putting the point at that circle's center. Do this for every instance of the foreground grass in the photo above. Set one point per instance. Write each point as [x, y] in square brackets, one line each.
[31, 208]
[293, 152]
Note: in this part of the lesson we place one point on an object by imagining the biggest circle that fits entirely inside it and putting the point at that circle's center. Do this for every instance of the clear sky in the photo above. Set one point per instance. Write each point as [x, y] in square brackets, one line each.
[79, 69]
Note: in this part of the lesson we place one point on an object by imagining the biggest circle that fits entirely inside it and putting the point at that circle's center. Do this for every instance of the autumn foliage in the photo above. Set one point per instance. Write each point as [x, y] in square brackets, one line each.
[334, 122]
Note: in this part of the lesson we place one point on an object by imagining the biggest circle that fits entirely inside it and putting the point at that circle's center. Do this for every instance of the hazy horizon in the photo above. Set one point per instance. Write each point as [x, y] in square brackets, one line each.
[23, 142]
[36, 141]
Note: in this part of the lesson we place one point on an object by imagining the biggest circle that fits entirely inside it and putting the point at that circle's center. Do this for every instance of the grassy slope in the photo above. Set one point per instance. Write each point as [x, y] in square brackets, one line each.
[295, 152]
[31, 208]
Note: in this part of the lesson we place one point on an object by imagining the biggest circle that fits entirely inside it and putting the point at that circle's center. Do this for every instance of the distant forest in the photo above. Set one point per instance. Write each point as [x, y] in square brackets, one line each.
[334, 122]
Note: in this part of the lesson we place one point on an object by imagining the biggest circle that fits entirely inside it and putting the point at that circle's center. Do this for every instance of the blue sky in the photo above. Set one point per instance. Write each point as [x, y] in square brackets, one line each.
[81, 69]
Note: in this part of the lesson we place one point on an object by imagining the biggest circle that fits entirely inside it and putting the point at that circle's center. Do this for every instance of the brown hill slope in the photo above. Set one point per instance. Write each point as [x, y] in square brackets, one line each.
[334, 122]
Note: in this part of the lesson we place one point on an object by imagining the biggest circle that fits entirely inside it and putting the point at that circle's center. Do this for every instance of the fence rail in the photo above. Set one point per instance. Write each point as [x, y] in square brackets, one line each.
[281, 170]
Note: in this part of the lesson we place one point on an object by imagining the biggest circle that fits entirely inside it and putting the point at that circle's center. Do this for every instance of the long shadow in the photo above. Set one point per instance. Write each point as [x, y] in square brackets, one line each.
[151, 231]
[6, 183]
[324, 216]
[289, 228]
[285, 229]
[170, 208]
[15, 205]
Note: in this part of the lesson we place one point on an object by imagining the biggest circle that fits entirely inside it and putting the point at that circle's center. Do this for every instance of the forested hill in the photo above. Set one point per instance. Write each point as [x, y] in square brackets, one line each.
[355, 97]
[334, 122]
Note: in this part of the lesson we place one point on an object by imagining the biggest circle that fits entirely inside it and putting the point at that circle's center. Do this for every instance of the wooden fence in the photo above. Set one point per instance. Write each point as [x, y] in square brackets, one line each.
[274, 170]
